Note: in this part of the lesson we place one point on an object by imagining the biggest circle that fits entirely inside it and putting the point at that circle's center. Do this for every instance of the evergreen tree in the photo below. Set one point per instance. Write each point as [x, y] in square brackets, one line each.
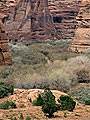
[49, 104]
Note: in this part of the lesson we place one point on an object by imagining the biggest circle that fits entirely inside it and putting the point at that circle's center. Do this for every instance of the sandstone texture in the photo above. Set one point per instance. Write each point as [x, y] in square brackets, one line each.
[47, 20]
[64, 14]
[31, 20]
[5, 6]
[43, 20]
[5, 57]
[81, 40]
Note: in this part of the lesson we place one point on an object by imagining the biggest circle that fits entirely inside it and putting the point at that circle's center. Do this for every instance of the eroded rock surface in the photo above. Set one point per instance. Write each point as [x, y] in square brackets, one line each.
[46, 20]
[42, 20]
[5, 57]
[82, 35]
[64, 14]
[31, 20]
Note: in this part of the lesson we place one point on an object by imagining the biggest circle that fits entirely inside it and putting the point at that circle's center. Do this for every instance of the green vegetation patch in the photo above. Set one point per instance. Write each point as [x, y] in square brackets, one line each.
[38, 101]
[49, 105]
[66, 103]
[28, 118]
[5, 90]
[82, 94]
[7, 104]
[87, 102]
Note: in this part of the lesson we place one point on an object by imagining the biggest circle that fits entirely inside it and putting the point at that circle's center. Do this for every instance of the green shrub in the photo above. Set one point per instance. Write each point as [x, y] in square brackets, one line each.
[12, 104]
[7, 104]
[65, 114]
[4, 105]
[49, 104]
[47, 95]
[11, 89]
[49, 108]
[81, 13]
[66, 103]
[5, 90]
[21, 117]
[28, 118]
[87, 102]
[38, 101]
[81, 93]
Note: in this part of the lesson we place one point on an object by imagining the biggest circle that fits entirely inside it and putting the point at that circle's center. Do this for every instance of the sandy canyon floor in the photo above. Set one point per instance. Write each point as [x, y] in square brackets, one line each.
[21, 98]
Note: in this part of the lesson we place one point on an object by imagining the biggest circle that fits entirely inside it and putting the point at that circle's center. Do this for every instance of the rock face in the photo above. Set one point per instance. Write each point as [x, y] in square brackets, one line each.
[42, 20]
[5, 57]
[31, 20]
[64, 14]
[81, 40]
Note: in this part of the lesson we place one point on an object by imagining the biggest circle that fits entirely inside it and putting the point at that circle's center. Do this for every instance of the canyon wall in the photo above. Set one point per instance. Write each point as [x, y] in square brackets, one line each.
[46, 20]
[31, 20]
[43, 20]
[81, 40]
[64, 14]
[5, 57]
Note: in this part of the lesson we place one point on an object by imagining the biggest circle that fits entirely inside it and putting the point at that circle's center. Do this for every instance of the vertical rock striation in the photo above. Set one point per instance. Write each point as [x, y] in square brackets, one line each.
[31, 21]
[42, 20]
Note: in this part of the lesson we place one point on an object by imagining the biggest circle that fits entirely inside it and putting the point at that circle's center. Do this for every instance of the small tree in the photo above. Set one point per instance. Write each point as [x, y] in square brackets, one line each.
[12, 104]
[66, 103]
[28, 118]
[11, 89]
[4, 90]
[47, 96]
[49, 104]
[87, 102]
[38, 101]
[7, 104]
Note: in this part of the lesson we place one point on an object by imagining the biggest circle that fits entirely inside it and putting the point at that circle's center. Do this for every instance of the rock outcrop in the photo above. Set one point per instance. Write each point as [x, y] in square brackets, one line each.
[5, 57]
[31, 20]
[42, 20]
[81, 40]
[64, 14]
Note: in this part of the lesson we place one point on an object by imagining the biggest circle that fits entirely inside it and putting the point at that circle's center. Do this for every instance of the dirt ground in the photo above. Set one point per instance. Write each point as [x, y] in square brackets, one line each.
[21, 98]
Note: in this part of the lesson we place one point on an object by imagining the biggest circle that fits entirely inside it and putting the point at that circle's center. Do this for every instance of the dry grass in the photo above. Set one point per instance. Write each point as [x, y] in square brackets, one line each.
[59, 74]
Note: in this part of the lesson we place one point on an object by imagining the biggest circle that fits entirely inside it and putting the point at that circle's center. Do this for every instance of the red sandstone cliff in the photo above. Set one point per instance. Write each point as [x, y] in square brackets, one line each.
[81, 40]
[50, 20]
[5, 57]
[42, 21]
